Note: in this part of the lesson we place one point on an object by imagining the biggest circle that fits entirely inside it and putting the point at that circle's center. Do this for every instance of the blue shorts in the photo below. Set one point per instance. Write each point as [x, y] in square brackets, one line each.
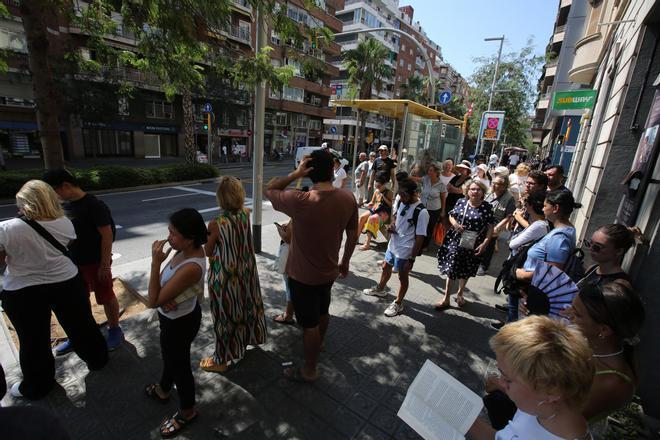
[395, 262]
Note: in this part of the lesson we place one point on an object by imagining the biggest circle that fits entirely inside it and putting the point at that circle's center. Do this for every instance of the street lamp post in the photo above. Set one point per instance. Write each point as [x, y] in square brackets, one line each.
[492, 86]
[259, 134]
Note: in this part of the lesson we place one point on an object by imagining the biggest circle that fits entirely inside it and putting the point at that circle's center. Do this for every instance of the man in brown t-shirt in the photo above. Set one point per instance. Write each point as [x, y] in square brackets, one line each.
[320, 217]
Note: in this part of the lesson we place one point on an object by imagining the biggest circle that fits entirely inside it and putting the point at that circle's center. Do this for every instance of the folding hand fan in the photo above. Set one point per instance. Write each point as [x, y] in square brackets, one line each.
[550, 292]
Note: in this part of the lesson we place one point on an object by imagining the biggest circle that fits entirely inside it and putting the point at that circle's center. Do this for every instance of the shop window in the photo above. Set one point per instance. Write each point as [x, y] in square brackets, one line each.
[159, 110]
[107, 143]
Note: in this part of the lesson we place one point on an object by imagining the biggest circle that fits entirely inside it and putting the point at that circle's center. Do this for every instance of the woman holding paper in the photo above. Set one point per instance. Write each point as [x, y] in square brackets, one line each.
[182, 276]
[546, 369]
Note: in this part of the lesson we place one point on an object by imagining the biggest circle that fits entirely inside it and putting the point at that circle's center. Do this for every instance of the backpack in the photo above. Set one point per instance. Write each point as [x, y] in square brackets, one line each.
[414, 219]
[507, 276]
[574, 266]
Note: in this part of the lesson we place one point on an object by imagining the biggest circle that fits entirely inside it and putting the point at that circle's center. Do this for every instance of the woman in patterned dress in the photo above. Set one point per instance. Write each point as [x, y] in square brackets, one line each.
[471, 213]
[236, 304]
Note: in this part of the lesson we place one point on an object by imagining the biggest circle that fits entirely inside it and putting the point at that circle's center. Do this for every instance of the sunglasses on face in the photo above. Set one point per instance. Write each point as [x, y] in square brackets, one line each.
[591, 245]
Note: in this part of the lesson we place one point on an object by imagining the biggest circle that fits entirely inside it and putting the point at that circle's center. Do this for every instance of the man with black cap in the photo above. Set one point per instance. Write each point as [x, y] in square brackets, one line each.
[408, 233]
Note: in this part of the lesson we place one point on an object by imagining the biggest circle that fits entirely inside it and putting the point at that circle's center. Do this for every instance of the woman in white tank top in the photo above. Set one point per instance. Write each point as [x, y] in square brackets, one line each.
[175, 290]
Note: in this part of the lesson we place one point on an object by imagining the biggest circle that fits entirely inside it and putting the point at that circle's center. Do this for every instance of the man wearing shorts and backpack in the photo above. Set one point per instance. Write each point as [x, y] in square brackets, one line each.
[319, 217]
[91, 250]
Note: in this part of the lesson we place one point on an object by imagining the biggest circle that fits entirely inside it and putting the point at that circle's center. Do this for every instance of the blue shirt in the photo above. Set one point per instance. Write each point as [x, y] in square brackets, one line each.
[555, 247]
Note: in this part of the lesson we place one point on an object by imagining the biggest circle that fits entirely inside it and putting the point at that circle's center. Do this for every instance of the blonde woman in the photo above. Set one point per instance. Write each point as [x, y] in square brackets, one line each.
[40, 279]
[546, 368]
[517, 181]
[236, 304]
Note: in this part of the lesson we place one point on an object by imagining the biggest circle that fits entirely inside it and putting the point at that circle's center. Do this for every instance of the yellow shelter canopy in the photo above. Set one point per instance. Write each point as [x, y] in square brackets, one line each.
[394, 108]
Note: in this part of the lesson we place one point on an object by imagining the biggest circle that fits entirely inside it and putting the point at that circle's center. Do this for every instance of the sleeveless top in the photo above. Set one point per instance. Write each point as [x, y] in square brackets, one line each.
[188, 305]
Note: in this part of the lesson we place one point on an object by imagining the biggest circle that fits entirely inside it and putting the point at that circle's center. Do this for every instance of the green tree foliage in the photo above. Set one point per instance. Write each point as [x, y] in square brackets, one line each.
[171, 44]
[415, 89]
[366, 67]
[515, 92]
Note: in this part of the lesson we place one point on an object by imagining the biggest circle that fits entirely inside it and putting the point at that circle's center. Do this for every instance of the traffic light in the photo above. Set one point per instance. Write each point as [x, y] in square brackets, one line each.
[207, 123]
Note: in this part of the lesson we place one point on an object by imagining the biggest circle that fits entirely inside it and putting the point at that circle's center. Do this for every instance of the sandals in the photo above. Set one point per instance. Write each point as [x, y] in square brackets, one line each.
[172, 426]
[281, 319]
[209, 365]
[460, 301]
[151, 392]
[295, 375]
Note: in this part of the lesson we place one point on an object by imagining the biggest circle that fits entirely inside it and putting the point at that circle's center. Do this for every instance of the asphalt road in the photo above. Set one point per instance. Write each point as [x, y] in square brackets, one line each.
[141, 215]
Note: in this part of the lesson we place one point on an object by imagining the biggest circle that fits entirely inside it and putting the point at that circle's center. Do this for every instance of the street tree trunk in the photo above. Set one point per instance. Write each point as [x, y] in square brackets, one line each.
[34, 15]
[189, 148]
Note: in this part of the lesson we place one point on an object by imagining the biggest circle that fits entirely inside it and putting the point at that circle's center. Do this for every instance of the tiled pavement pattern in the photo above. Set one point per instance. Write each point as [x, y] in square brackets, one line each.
[368, 364]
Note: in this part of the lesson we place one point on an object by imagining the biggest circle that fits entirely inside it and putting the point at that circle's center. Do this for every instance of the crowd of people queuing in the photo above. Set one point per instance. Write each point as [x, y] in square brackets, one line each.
[557, 378]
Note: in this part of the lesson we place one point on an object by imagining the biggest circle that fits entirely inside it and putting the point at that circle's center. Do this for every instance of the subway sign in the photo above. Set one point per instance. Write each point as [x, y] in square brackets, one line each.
[574, 100]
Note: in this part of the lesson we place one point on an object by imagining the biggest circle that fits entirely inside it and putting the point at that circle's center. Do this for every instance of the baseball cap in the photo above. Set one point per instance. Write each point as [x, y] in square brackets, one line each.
[383, 147]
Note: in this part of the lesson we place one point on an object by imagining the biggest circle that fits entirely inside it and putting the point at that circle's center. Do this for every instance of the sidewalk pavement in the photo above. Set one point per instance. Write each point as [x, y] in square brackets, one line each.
[368, 363]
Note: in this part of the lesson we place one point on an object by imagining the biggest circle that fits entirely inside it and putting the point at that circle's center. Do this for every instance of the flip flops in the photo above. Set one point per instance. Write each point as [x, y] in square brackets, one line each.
[280, 319]
[173, 426]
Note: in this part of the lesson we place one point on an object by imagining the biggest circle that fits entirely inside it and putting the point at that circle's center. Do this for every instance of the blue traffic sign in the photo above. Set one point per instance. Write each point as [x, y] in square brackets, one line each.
[333, 129]
[208, 108]
[445, 97]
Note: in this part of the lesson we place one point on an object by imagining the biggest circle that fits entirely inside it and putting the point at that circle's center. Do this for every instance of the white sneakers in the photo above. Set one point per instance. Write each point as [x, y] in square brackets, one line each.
[393, 309]
[373, 291]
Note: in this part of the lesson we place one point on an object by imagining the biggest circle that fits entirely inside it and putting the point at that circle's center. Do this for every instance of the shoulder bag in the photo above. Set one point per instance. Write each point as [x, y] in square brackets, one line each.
[48, 237]
[468, 238]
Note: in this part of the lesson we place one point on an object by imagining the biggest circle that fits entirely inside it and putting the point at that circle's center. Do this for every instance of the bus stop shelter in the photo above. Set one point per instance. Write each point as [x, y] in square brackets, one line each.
[424, 134]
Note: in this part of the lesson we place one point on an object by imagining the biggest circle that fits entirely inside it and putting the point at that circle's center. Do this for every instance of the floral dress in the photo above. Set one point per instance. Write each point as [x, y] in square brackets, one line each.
[454, 261]
[236, 304]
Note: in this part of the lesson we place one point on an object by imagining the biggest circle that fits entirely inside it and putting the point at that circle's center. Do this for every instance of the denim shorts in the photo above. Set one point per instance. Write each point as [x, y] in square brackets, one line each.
[397, 263]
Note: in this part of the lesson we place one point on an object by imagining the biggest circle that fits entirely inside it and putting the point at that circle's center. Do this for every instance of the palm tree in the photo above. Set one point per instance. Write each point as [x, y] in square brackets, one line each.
[366, 70]
[414, 89]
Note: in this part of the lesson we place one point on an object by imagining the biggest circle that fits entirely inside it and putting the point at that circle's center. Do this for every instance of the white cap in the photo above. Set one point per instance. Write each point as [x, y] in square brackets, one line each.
[324, 145]
[383, 147]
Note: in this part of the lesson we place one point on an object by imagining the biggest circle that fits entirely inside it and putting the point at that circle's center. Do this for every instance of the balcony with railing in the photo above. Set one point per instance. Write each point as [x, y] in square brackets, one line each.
[238, 33]
[558, 35]
[544, 101]
[551, 68]
[243, 6]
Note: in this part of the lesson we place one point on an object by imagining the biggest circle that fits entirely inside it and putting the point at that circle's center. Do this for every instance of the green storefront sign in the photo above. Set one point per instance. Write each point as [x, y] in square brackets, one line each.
[574, 99]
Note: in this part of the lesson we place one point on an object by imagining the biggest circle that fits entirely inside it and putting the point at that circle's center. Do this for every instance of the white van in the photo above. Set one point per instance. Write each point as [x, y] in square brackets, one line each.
[302, 152]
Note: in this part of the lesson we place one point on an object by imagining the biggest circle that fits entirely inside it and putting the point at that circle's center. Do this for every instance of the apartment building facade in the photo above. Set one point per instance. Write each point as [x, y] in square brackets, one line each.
[615, 173]
[405, 59]
[555, 130]
[294, 115]
[146, 124]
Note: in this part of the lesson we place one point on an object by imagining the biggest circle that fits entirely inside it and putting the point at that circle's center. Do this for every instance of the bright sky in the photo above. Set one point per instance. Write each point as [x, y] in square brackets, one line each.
[460, 26]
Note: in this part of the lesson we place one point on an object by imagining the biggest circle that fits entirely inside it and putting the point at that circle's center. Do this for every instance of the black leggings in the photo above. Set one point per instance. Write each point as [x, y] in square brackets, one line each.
[176, 336]
[29, 310]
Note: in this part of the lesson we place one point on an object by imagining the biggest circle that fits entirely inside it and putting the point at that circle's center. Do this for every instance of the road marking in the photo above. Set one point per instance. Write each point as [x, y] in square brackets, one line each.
[248, 203]
[138, 190]
[194, 190]
[116, 256]
[168, 197]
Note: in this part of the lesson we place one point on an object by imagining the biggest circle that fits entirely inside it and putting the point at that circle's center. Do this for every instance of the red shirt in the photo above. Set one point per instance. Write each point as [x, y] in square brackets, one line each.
[319, 221]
